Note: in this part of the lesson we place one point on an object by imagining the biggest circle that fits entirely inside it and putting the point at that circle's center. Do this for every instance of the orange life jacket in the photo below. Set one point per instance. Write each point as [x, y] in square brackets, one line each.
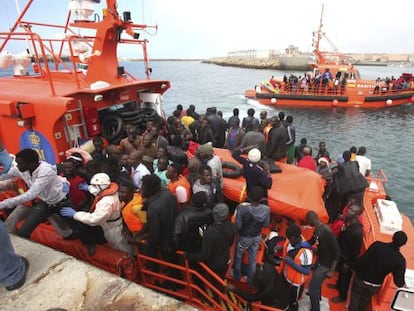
[266, 131]
[183, 182]
[133, 215]
[112, 189]
[293, 276]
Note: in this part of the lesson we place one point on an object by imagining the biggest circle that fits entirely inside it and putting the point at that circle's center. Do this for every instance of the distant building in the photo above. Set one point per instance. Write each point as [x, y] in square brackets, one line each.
[253, 53]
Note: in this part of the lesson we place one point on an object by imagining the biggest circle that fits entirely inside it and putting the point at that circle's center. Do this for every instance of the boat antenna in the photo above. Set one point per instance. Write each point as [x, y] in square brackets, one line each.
[143, 11]
[318, 38]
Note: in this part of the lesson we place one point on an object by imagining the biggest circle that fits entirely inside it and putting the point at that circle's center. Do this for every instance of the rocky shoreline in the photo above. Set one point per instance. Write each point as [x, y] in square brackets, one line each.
[256, 63]
[283, 63]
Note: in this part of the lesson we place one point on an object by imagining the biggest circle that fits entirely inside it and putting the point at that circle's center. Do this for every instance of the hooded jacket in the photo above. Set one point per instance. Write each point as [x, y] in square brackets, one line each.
[215, 251]
[250, 219]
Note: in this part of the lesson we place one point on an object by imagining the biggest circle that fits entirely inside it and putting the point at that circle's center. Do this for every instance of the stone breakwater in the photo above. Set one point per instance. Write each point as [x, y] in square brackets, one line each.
[259, 63]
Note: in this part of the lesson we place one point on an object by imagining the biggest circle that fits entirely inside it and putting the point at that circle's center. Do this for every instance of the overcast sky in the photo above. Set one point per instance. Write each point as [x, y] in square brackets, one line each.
[203, 29]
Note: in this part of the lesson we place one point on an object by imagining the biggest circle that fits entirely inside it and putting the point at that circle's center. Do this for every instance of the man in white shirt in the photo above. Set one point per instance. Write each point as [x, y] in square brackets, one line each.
[43, 183]
[138, 169]
[363, 162]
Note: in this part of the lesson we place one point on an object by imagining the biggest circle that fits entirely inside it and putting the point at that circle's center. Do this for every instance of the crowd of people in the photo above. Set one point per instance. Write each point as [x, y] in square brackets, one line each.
[165, 186]
[326, 83]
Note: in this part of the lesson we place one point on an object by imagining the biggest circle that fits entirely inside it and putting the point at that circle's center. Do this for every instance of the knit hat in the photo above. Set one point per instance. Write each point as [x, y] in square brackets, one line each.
[254, 155]
[207, 148]
[323, 159]
[220, 212]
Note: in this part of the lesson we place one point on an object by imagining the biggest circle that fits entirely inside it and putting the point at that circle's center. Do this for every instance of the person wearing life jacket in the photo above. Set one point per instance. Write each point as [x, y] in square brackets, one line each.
[105, 211]
[296, 264]
[135, 218]
[266, 131]
[179, 186]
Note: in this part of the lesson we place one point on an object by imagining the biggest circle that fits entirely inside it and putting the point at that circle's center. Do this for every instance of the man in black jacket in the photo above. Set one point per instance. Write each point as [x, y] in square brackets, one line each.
[198, 216]
[372, 268]
[217, 239]
[328, 255]
[270, 288]
[250, 121]
[350, 241]
[278, 137]
[161, 207]
[255, 174]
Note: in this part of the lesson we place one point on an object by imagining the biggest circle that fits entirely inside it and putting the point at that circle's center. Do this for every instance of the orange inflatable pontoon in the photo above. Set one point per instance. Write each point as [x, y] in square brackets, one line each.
[295, 190]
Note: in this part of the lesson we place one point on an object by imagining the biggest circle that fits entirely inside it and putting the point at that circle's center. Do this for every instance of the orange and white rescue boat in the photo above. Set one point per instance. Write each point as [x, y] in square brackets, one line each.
[65, 99]
[342, 87]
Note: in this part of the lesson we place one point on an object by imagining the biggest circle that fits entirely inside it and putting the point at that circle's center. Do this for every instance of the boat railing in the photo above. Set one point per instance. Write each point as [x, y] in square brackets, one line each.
[43, 52]
[195, 284]
[380, 176]
[375, 184]
[39, 56]
[334, 89]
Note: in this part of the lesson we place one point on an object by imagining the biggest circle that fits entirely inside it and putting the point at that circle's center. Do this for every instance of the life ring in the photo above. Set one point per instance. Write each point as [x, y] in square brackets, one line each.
[231, 170]
[112, 128]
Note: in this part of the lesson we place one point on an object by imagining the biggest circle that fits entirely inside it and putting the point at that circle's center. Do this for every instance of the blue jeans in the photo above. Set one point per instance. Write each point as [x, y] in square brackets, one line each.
[251, 244]
[12, 267]
[315, 286]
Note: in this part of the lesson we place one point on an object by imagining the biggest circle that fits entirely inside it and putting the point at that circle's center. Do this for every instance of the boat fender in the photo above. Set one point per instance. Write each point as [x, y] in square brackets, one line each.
[112, 128]
[231, 170]
[149, 113]
[389, 102]
[129, 114]
[137, 119]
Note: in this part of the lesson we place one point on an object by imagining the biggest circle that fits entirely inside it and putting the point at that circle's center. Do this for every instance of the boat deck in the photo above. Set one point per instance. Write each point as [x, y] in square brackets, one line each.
[32, 87]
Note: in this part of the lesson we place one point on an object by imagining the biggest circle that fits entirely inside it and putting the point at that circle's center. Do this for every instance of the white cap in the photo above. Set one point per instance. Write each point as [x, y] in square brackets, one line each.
[254, 155]
[272, 234]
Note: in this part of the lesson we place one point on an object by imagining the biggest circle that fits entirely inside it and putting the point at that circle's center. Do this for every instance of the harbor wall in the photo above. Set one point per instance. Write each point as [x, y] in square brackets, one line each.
[290, 63]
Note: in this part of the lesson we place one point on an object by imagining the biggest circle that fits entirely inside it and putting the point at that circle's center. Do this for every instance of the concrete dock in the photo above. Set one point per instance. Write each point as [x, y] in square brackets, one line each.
[56, 281]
